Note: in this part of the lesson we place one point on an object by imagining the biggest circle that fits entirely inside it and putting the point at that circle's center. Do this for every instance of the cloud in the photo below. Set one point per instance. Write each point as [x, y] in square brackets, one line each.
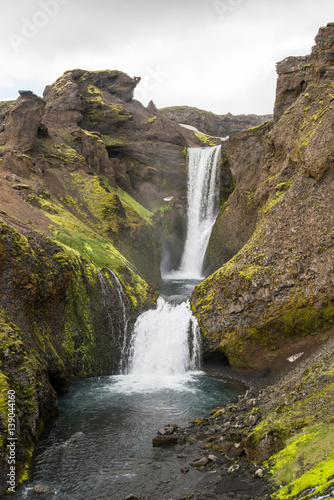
[214, 54]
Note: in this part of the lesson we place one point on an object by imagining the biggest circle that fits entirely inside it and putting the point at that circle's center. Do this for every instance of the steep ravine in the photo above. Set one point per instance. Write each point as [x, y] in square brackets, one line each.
[93, 186]
[93, 194]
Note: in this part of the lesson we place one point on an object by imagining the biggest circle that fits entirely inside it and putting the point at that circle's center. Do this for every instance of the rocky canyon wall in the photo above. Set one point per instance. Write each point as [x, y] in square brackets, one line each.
[212, 124]
[277, 289]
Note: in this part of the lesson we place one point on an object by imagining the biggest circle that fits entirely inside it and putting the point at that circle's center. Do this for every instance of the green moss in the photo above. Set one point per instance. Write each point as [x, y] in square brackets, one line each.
[307, 462]
[95, 93]
[20, 245]
[78, 318]
[151, 120]
[96, 109]
[110, 141]
[61, 152]
[199, 421]
[313, 118]
[25, 470]
[92, 247]
[250, 195]
[249, 272]
[296, 317]
[61, 83]
[93, 135]
[272, 201]
[207, 140]
[4, 387]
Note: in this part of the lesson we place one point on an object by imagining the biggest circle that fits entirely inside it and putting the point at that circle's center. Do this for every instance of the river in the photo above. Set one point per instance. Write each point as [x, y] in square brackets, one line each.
[100, 447]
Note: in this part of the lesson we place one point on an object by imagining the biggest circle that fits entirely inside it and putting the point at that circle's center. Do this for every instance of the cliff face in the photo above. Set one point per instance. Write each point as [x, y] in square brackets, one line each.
[61, 319]
[270, 306]
[144, 149]
[211, 124]
[277, 289]
[244, 155]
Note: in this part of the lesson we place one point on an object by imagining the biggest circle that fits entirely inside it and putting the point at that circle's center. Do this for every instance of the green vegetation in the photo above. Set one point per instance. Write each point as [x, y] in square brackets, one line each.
[152, 120]
[61, 152]
[110, 141]
[306, 462]
[206, 140]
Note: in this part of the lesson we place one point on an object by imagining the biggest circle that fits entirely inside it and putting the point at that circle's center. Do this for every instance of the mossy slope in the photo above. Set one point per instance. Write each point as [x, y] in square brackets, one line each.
[59, 321]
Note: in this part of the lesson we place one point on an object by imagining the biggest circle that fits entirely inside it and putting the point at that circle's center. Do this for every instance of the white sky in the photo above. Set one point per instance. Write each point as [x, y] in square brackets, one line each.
[217, 55]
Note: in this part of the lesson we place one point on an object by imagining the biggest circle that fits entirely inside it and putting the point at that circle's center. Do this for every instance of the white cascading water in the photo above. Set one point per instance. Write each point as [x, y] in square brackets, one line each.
[202, 211]
[165, 344]
[122, 300]
[165, 347]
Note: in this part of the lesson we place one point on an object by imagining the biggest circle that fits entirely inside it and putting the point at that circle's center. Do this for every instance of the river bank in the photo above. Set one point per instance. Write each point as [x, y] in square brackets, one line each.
[262, 447]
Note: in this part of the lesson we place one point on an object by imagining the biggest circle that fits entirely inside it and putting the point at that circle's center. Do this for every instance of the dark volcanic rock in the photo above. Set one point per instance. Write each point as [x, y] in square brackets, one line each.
[65, 106]
[211, 124]
[164, 440]
[279, 220]
[145, 149]
[292, 79]
[296, 73]
[22, 121]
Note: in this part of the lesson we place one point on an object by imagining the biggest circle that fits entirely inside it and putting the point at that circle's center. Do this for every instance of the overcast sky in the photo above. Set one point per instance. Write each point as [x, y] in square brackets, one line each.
[217, 55]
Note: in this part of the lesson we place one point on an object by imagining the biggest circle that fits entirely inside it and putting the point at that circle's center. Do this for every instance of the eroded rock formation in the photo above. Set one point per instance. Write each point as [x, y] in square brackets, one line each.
[278, 286]
[212, 124]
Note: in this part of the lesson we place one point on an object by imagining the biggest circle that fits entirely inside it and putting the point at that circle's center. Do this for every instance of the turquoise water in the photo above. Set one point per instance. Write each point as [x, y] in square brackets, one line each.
[100, 447]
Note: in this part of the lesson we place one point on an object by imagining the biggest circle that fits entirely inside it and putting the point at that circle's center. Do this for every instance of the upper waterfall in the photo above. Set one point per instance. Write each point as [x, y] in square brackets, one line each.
[202, 210]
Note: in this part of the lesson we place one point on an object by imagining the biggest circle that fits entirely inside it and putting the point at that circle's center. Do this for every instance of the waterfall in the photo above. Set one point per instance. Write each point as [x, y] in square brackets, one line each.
[121, 320]
[123, 301]
[202, 211]
[165, 343]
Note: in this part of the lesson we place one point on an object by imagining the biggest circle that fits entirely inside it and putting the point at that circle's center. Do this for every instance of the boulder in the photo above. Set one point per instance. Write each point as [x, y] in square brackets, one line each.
[42, 489]
[164, 440]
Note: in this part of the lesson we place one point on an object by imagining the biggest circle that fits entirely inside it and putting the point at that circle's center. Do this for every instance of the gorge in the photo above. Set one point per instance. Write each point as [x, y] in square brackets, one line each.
[94, 208]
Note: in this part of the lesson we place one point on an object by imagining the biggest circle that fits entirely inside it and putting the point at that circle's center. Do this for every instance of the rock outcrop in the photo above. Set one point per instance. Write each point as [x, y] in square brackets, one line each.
[277, 288]
[145, 149]
[211, 124]
[296, 73]
[22, 122]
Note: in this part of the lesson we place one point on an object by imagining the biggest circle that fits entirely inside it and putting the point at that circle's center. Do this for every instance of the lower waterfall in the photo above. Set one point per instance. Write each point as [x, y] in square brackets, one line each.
[165, 343]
